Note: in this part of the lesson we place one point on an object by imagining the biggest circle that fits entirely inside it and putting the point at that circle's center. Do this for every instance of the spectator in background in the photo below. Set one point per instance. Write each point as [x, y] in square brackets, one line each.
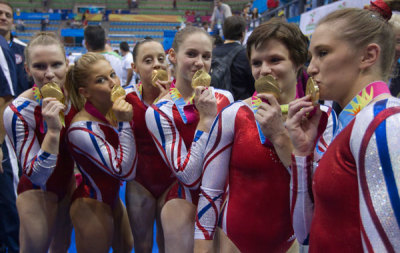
[242, 81]
[43, 25]
[84, 20]
[134, 4]
[254, 18]
[206, 27]
[20, 25]
[254, 13]
[127, 60]
[71, 59]
[17, 47]
[9, 221]
[95, 41]
[220, 13]
[174, 4]
[246, 13]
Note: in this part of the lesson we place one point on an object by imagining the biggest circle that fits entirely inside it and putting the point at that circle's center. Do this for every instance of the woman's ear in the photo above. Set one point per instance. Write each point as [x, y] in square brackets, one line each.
[370, 55]
[172, 56]
[27, 70]
[83, 92]
[133, 65]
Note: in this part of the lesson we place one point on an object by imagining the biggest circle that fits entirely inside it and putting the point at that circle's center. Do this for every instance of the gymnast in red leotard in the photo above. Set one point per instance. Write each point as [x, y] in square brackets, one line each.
[104, 149]
[249, 150]
[145, 195]
[351, 202]
[38, 137]
[179, 124]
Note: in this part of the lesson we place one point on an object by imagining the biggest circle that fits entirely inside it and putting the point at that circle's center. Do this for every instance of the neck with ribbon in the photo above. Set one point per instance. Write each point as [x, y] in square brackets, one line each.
[89, 107]
[139, 89]
[38, 97]
[362, 99]
[185, 109]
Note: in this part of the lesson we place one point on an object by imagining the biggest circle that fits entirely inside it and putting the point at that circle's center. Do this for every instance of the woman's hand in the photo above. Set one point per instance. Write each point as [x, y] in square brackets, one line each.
[205, 102]
[269, 116]
[164, 88]
[206, 105]
[51, 109]
[123, 110]
[303, 127]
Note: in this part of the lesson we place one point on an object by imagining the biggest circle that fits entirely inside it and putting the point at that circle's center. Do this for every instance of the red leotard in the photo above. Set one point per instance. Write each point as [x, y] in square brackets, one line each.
[26, 129]
[151, 171]
[180, 144]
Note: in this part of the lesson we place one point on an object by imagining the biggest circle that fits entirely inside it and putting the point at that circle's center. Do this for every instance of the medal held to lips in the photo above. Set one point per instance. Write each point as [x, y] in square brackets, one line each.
[158, 74]
[116, 92]
[201, 78]
[54, 91]
[267, 85]
[312, 89]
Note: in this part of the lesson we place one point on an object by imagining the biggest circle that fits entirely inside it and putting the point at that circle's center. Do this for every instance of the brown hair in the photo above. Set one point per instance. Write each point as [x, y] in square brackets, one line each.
[181, 35]
[139, 44]
[77, 77]
[361, 27]
[9, 5]
[287, 33]
[43, 39]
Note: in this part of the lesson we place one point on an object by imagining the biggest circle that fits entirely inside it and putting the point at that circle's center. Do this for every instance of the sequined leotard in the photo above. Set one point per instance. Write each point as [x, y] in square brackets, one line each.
[354, 206]
[26, 129]
[151, 172]
[173, 128]
[104, 155]
[256, 213]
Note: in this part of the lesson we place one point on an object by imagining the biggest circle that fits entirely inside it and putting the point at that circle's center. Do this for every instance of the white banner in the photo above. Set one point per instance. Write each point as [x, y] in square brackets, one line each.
[310, 19]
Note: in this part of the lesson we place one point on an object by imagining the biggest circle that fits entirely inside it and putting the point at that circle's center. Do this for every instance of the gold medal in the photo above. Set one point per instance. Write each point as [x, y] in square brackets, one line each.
[267, 85]
[312, 89]
[158, 74]
[116, 92]
[54, 91]
[201, 78]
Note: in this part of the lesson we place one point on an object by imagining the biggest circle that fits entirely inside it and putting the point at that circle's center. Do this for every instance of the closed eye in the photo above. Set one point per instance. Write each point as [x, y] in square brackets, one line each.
[39, 66]
[207, 57]
[191, 54]
[256, 63]
[322, 53]
[57, 64]
[275, 60]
